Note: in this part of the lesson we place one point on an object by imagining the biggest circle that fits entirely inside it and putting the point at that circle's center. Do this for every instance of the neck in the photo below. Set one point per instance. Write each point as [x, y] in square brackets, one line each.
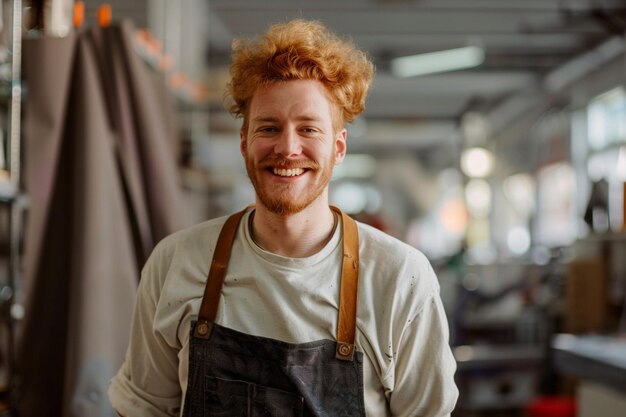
[296, 236]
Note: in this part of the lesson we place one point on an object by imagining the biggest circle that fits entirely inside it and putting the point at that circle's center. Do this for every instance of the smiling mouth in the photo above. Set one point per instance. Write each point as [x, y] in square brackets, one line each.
[292, 172]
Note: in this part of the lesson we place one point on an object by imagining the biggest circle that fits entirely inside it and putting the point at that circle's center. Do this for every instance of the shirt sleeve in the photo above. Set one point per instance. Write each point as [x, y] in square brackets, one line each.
[424, 370]
[147, 383]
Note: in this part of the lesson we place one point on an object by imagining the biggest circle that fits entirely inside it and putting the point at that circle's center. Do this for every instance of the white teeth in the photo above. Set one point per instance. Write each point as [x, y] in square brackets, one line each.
[288, 172]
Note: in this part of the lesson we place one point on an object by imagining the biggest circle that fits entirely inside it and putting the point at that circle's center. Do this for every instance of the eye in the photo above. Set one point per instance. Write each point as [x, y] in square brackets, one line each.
[267, 129]
[310, 130]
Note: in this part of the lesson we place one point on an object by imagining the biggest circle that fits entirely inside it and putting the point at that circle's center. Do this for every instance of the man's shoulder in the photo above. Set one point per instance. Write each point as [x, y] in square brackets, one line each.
[201, 236]
[188, 246]
[395, 267]
[191, 234]
[377, 242]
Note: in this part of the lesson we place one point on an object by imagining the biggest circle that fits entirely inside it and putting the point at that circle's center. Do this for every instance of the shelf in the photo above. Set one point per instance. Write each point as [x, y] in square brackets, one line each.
[604, 237]
[480, 357]
[8, 192]
[9, 195]
[596, 358]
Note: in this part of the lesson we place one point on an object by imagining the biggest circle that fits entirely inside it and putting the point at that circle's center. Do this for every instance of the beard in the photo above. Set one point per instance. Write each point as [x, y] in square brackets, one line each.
[285, 199]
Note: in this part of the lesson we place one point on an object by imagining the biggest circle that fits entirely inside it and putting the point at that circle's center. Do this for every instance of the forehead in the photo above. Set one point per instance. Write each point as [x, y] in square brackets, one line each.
[297, 98]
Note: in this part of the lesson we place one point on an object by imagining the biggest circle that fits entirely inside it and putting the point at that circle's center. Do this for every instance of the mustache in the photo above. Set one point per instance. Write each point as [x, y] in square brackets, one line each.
[273, 161]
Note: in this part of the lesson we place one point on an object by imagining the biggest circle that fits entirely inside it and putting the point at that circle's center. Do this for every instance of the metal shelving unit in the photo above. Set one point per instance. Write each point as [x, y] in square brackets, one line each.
[13, 200]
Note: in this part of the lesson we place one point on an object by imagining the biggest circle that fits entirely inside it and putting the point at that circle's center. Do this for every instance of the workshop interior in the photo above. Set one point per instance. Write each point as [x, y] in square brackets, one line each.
[493, 140]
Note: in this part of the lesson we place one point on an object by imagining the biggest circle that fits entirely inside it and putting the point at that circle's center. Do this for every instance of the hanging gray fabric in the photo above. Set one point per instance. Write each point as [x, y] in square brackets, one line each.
[47, 68]
[152, 133]
[101, 173]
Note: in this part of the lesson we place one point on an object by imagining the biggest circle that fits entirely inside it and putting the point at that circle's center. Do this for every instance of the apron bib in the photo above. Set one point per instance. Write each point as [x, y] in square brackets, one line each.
[236, 374]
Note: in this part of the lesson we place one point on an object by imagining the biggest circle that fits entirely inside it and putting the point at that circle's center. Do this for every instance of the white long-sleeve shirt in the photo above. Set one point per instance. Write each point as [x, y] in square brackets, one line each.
[408, 368]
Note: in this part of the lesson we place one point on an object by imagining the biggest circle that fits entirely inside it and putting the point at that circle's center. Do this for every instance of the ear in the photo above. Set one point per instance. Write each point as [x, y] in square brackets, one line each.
[243, 143]
[340, 146]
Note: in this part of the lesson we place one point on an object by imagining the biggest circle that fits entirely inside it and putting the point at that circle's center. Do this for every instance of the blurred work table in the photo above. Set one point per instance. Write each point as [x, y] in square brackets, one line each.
[600, 364]
[597, 358]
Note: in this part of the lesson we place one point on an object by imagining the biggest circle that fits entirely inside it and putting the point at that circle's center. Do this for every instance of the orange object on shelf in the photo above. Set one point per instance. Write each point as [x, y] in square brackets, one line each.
[78, 15]
[200, 92]
[178, 80]
[105, 14]
[143, 35]
[166, 62]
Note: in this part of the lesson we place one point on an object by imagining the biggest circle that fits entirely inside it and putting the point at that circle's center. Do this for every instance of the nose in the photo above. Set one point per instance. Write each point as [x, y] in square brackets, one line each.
[288, 143]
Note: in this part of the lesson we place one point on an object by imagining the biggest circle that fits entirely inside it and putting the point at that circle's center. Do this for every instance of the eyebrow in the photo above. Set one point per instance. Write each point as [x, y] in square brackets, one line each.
[303, 118]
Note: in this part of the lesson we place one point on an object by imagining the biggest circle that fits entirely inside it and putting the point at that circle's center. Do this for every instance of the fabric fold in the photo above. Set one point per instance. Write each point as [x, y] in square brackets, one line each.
[102, 178]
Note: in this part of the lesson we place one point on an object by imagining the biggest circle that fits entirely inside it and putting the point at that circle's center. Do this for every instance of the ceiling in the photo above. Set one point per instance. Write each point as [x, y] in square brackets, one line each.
[524, 41]
[534, 49]
[530, 47]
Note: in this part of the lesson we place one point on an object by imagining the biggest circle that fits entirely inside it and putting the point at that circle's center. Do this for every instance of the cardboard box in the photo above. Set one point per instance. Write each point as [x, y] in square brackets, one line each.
[585, 296]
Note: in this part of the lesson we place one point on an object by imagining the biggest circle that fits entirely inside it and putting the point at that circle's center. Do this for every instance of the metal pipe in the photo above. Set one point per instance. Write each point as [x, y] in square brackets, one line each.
[16, 95]
[15, 218]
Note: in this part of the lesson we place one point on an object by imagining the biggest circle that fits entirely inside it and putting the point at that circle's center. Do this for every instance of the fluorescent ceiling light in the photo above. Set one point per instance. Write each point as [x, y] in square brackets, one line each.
[440, 61]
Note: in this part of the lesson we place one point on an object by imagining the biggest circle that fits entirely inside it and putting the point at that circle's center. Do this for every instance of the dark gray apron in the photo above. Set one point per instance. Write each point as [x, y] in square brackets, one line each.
[235, 374]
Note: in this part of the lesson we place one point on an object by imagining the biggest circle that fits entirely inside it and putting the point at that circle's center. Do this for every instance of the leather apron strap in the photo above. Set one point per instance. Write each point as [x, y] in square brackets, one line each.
[346, 327]
[348, 290]
[217, 273]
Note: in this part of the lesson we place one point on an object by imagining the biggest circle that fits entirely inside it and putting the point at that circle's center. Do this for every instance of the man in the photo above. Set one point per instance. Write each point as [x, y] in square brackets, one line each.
[304, 311]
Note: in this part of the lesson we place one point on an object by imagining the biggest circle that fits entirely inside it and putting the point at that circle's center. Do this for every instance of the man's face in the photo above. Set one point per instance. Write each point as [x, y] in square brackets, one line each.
[290, 146]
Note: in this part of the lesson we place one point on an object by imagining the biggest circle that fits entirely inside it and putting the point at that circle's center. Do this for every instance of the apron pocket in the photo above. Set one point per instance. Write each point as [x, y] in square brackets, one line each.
[232, 398]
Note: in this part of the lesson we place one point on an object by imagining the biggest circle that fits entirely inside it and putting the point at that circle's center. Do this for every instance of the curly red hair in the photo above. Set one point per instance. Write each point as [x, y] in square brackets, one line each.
[300, 50]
